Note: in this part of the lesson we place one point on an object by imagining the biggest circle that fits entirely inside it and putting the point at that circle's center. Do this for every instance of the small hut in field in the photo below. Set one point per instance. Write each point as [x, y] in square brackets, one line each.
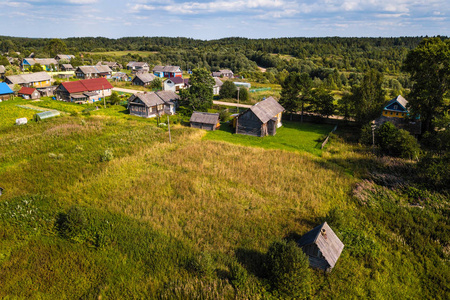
[322, 246]
[204, 120]
[261, 119]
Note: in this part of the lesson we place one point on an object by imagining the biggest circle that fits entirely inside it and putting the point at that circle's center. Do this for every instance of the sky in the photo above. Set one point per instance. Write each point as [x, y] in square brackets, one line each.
[214, 19]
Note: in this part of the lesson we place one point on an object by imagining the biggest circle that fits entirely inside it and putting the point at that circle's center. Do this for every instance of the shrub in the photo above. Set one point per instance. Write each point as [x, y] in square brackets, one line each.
[201, 264]
[238, 275]
[108, 155]
[288, 270]
[396, 142]
[224, 115]
[72, 223]
[228, 90]
[243, 95]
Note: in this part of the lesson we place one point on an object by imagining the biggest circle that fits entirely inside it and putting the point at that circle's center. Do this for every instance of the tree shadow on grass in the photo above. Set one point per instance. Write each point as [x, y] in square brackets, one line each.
[253, 261]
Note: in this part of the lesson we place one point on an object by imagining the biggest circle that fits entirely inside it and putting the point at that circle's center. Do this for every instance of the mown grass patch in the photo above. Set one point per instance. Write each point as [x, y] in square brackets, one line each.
[292, 136]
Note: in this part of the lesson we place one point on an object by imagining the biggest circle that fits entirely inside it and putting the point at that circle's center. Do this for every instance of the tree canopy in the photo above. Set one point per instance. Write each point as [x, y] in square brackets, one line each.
[199, 96]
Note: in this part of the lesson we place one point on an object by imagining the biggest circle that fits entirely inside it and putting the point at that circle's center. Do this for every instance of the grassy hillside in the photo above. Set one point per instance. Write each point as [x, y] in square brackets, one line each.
[99, 203]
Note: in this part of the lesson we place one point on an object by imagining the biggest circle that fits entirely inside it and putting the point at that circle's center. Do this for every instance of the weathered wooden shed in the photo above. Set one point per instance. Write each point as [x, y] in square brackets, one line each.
[204, 120]
[261, 119]
[322, 246]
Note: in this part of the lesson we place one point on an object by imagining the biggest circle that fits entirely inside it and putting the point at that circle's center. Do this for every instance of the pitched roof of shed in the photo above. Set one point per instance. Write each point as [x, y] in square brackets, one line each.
[4, 89]
[27, 91]
[2, 69]
[145, 77]
[267, 109]
[28, 78]
[67, 66]
[218, 82]
[327, 241]
[204, 117]
[87, 85]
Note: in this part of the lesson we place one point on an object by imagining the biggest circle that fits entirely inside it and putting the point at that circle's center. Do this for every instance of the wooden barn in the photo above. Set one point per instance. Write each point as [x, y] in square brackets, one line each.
[143, 79]
[204, 120]
[153, 104]
[261, 119]
[322, 246]
[29, 93]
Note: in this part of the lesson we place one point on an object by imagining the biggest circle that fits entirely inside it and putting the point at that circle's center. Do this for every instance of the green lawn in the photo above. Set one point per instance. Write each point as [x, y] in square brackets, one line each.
[9, 112]
[292, 136]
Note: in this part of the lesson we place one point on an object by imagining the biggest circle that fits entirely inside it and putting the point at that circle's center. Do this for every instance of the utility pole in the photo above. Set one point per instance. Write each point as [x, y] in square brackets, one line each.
[238, 88]
[373, 135]
[104, 99]
[168, 125]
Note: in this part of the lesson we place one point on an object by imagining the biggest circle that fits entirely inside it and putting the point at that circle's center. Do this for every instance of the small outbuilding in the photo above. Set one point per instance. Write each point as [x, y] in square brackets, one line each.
[261, 119]
[5, 91]
[204, 120]
[322, 246]
[29, 93]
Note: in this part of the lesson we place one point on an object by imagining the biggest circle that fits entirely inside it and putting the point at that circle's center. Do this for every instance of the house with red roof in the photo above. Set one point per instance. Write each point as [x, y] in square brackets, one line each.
[29, 93]
[83, 91]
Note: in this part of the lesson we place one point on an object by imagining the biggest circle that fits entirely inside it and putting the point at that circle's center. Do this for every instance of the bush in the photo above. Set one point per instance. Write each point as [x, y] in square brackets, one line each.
[108, 155]
[288, 270]
[396, 142]
[201, 264]
[243, 94]
[72, 223]
[228, 90]
[224, 115]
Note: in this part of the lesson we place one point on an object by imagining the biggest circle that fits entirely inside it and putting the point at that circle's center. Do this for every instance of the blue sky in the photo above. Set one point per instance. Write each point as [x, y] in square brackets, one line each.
[212, 19]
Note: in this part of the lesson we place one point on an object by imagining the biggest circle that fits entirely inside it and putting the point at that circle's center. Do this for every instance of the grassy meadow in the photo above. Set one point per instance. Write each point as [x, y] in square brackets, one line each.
[99, 204]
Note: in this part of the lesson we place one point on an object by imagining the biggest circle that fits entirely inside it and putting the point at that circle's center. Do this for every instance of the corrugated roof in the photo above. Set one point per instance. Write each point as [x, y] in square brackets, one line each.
[87, 85]
[67, 66]
[27, 90]
[267, 109]
[326, 240]
[94, 69]
[204, 117]
[29, 78]
[41, 61]
[4, 89]
[146, 77]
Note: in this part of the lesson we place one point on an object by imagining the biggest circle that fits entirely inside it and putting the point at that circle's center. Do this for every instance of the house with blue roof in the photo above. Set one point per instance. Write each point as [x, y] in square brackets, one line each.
[5, 91]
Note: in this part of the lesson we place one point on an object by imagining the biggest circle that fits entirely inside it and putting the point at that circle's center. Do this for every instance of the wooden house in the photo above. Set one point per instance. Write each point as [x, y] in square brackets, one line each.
[153, 104]
[223, 73]
[143, 79]
[36, 80]
[86, 90]
[138, 66]
[67, 67]
[322, 246]
[261, 119]
[167, 71]
[111, 64]
[204, 120]
[47, 64]
[87, 72]
[5, 91]
[29, 93]
[120, 76]
[396, 108]
[217, 85]
[175, 84]
[2, 71]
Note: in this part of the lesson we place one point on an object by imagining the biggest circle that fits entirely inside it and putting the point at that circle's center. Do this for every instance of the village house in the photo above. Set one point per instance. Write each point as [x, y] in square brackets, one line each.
[175, 84]
[111, 64]
[204, 120]
[261, 119]
[138, 66]
[322, 246]
[396, 112]
[120, 76]
[36, 80]
[47, 64]
[217, 85]
[64, 57]
[88, 72]
[67, 67]
[167, 71]
[5, 91]
[29, 93]
[153, 104]
[86, 90]
[2, 71]
[143, 79]
[223, 73]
